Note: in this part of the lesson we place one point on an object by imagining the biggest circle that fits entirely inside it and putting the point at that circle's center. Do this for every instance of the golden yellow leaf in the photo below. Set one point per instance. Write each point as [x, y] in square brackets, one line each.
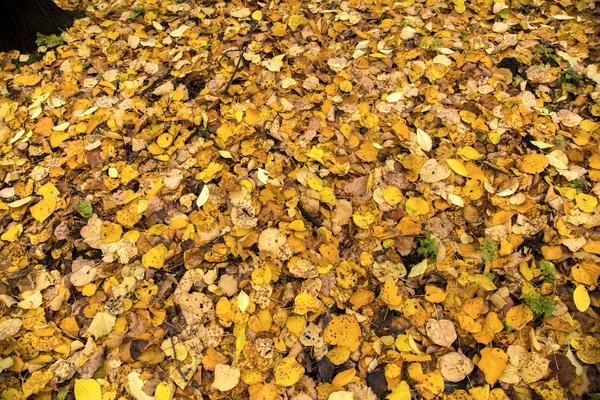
[87, 389]
[28, 80]
[343, 378]
[367, 152]
[457, 166]
[343, 330]
[155, 257]
[42, 210]
[339, 355]
[586, 202]
[12, 233]
[288, 372]
[430, 385]
[279, 29]
[518, 316]
[581, 298]
[363, 220]
[163, 391]
[533, 163]
[400, 392]
[392, 195]
[492, 363]
[588, 348]
[468, 153]
[260, 391]
[434, 294]
[417, 205]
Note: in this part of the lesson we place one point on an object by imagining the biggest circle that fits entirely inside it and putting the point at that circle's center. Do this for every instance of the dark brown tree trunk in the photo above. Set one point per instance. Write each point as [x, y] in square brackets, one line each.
[22, 20]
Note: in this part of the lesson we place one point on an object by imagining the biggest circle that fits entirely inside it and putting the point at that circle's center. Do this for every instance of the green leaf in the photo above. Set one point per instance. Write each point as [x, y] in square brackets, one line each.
[62, 393]
[84, 208]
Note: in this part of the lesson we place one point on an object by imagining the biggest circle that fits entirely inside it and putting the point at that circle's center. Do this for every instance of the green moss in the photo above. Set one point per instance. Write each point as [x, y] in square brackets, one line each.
[427, 247]
[539, 305]
[548, 271]
[49, 40]
[488, 250]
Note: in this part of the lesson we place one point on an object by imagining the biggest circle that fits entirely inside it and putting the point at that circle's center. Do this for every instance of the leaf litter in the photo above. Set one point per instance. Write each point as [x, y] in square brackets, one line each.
[348, 200]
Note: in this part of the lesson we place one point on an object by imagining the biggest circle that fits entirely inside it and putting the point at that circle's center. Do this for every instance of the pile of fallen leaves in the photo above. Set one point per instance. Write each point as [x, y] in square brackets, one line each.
[348, 200]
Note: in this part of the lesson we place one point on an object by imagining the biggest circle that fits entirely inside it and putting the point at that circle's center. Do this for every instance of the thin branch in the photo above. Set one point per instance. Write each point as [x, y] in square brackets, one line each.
[309, 217]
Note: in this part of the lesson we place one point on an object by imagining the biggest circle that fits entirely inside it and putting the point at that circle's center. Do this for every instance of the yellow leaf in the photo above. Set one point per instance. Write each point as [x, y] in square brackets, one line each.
[110, 232]
[28, 80]
[586, 202]
[518, 316]
[155, 257]
[163, 391]
[418, 269]
[36, 383]
[339, 355]
[344, 377]
[494, 137]
[210, 172]
[257, 15]
[534, 163]
[363, 220]
[588, 348]
[316, 154]
[400, 392]
[12, 233]
[278, 29]
[416, 205]
[492, 363]
[45, 207]
[288, 372]
[430, 385]
[581, 298]
[87, 389]
[367, 152]
[343, 330]
[458, 167]
[392, 195]
[468, 153]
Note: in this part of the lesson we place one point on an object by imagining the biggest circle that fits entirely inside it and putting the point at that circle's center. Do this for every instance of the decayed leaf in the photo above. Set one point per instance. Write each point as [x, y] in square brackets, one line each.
[226, 377]
[455, 367]
[532, 366]
[10, 327]
[102, 324]
[441, 332]
[424, 140]
[588, 348]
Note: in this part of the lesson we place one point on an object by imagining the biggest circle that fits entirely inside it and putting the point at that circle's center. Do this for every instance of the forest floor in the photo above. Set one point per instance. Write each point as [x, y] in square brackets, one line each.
[333, 200]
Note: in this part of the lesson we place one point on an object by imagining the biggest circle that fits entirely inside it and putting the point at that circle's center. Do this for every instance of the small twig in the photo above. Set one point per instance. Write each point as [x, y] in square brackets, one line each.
[239, 62]
[177, 361]
[309, 217]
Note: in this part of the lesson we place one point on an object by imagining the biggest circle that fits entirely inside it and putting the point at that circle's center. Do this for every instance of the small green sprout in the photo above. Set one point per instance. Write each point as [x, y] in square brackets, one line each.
[539, 305]
[49, 40]
[488, 250]
[427, 247]
[548, 271]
